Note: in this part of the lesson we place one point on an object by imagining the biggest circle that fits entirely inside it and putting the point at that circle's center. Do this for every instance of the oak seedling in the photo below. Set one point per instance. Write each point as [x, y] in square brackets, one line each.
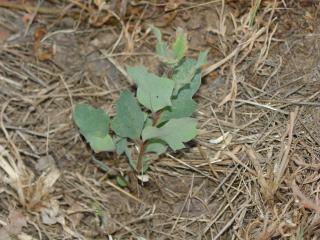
[158, 116]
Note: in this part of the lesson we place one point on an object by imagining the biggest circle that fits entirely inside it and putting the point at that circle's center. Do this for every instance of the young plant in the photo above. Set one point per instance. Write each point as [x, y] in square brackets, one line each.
[163, 120]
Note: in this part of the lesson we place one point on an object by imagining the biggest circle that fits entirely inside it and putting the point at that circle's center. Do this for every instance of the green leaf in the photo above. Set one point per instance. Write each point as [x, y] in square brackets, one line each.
[156, 146]
[130, 119]
[175, 132]
[183, 74]
[94, 126]
[194, 85]
[189, 72]
[148, 122]
[90, 120]
[161, 47]
[128, 153]
[100, 144]
[121, 181]
[101, 165]
[121, 145]
[153, 92]
[202, 59]
[182, 106]
[179, 47]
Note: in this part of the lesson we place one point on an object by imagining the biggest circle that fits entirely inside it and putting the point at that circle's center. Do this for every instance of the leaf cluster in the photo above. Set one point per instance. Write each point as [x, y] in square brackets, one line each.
[158, 117]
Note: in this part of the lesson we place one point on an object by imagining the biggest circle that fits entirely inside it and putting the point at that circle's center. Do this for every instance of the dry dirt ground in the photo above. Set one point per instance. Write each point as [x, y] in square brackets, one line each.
[251, 173]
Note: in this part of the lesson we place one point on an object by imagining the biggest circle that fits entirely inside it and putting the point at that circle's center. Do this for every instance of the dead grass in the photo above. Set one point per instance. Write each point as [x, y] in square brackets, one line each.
[252, 172]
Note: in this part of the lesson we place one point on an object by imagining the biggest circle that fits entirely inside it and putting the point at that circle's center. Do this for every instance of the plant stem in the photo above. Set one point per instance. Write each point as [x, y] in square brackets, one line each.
[139, 166]
[142, 144]
[170, 72]
[156, 118]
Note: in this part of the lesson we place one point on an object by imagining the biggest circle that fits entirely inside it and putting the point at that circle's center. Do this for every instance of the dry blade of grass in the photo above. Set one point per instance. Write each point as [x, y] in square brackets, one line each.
[237, 50]
[282, 165]
[266, 71]
[39, 191]
[263, 182]
[304, 201]
[30, 192]
[12, 174]
[270, 186]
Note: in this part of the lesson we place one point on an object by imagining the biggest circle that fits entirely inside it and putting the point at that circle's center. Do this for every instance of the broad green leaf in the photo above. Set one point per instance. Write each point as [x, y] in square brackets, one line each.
[194, 86]
[202, 59]
[182, 106]
[148, 122]
[129, 120]
[191, 88]
[94, 126]
[156, 146]
[189, 72]
[128, 153]
[179, 47]
[145, 116]
[90, 120]
[183, 74]
[153, 92]
[121, 145]
[175, 132]
[161, 47]
[100, 144]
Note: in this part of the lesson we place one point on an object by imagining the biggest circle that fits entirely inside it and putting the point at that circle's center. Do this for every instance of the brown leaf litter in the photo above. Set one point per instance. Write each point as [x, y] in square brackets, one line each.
[253, 170]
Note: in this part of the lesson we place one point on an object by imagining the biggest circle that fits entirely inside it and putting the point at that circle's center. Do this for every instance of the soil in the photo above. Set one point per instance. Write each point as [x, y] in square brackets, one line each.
[251, 173]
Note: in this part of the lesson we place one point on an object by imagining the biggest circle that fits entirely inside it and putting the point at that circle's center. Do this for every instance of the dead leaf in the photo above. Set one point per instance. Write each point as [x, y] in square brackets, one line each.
[27, 18]
[16, 221]
[39, 33]
[4, 35]
[37, 193]
[75, 213]
[24, 236]
[4, 235]
[43, 51]
[45, 163]
[108, 226]
[50, 214]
